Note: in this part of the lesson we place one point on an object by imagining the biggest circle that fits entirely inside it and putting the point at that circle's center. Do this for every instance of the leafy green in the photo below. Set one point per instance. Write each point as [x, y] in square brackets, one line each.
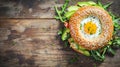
[99, 3]
[110, 50]
[107, 5]
[104, 6]
[65, 34]
[112, 15]
[116, 41]
[64, 6]
[99, 54]
[96, 54]
[61, 12]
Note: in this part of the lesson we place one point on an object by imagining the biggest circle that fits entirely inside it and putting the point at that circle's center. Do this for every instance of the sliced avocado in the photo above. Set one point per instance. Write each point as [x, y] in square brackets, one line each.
[89, 3]
[69, 14]
[73, 8]
[78, 48]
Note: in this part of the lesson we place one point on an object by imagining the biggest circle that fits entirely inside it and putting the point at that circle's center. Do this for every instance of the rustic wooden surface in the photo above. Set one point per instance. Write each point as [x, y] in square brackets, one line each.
[28, 36]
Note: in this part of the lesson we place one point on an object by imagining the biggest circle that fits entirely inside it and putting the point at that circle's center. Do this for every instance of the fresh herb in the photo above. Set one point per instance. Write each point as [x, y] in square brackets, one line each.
[107, 5]
[60, 13]
[104, 6]
[97, 55]
[65, 35]
[99, 3]
[110, 50]
[64, 6]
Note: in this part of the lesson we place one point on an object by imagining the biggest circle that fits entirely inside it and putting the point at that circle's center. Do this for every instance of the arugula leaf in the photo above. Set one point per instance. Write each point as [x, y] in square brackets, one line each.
[107, 5]
[117, 40]
[64, 6]
[65, 34]
[116, 24]
[96, 55]
[99, 3]
[62, 11]
[112, 15]
[104, 6]
[110, 50]
[59, 14]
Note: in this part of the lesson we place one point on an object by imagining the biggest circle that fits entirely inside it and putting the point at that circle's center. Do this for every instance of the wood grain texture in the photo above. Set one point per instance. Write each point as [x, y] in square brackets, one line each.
[40, 8]
[28, 36]
[29, 42]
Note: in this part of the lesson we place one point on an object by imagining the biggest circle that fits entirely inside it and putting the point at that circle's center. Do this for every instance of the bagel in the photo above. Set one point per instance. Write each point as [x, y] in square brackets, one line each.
[91, 27]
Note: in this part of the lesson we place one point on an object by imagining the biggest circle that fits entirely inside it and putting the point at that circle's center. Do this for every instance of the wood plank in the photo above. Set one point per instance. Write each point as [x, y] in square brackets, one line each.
[38, 45]
[27, 8]
[29, 41]
[40, 8]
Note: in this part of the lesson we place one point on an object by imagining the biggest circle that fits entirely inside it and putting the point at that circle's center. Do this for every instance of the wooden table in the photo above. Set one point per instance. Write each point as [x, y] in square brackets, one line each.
[28, 36]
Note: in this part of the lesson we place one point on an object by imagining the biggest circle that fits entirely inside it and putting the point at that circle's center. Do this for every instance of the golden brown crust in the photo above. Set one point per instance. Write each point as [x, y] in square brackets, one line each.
[106, 25]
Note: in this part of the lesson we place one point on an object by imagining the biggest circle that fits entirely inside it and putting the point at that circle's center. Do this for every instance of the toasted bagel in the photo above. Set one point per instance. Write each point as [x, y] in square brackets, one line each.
[94, 41]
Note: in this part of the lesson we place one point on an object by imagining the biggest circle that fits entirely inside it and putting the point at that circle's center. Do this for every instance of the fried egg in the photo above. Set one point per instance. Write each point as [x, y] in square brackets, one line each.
[90, 27]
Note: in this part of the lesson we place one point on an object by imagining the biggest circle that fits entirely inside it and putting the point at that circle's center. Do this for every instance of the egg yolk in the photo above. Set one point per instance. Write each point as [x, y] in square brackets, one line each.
[90, 28]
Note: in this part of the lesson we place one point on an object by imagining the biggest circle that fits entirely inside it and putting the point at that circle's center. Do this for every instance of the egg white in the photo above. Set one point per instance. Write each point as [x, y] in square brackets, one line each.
[96, 21]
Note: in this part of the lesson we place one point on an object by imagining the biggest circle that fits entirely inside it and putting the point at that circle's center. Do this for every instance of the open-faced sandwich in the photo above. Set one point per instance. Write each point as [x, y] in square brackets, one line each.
[89, 28]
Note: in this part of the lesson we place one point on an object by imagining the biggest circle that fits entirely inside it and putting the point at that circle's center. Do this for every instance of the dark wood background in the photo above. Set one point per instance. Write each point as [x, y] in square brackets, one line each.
[28, 36]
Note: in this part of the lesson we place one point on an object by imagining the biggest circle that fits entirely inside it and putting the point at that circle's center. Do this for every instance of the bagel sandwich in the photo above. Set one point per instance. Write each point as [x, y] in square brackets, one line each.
[89, 28]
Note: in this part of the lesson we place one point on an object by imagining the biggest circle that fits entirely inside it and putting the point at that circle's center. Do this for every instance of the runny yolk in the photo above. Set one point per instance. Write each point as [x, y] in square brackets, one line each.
[90, 28]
